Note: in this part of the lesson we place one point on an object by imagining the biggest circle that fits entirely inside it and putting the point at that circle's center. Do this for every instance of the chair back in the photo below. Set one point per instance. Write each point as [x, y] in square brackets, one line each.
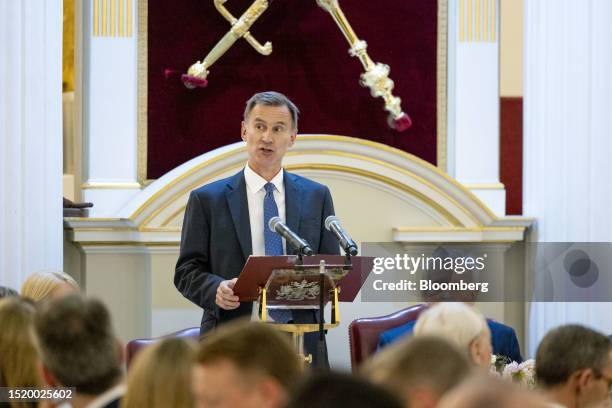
[136, 345]
[364, 333]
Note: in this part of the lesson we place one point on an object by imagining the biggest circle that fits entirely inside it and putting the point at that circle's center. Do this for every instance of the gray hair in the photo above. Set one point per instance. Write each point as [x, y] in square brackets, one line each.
[568, 349]
[457, 322]
[272, 98]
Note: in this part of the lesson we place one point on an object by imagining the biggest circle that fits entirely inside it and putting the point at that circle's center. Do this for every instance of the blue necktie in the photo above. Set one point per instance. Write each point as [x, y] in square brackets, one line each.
[273, 243]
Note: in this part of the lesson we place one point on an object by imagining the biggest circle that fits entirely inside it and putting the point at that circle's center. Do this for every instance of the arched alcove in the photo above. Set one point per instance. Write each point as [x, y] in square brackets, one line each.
[380, 193]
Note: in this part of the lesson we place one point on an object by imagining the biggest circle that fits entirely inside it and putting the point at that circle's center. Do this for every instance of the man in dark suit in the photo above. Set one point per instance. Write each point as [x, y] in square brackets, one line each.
[503, 338]
[227, 220]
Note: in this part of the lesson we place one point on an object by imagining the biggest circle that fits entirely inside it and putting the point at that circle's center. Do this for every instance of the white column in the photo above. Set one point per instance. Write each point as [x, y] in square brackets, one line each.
[108, 94]
[30, 138]
[473, 99]
[568, 138]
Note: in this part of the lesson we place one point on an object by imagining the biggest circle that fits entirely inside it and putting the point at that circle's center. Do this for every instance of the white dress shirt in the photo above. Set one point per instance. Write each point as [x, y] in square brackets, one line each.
[103, 399]
[255, 196]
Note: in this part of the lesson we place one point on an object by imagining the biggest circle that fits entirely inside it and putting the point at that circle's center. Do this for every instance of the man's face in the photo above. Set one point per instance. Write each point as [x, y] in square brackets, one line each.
[482, 354]
[595, 392]
[268, 132]
[222, 385]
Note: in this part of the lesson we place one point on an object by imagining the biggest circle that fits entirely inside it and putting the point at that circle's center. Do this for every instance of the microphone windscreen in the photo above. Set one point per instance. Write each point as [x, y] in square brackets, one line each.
[329, 220]
[273, 222]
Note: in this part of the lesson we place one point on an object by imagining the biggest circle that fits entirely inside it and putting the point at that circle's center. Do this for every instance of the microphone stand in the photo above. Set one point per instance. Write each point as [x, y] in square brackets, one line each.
[320, 363]
[299, 262]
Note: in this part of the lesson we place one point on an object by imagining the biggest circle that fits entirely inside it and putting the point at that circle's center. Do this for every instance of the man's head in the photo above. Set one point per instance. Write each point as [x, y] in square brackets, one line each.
[244, 365]
[44, 285]
[420, 370]
[486, 391]
[331, 390]
[77, 345]
[269, 129]
[463, 326]
[576, 363]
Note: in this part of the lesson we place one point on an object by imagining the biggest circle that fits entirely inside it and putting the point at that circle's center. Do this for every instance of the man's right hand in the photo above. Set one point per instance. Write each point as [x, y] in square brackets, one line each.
[225, 298]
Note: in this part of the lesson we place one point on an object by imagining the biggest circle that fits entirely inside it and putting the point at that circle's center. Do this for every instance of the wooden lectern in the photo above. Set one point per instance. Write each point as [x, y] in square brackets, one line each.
[288, 282]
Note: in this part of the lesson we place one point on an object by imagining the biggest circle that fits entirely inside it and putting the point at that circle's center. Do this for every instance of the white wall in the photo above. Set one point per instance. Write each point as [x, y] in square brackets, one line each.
[30, 138]
[568, 138]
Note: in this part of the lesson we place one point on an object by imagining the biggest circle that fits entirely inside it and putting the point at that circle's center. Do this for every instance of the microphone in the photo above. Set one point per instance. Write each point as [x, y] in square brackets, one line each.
[276, 225]
[332, 223]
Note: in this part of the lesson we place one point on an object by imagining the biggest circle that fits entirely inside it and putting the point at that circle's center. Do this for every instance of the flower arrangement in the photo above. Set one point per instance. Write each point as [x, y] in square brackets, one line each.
[520, 373]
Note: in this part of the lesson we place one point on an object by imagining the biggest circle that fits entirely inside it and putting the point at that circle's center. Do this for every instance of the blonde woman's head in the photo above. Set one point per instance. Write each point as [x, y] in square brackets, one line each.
[461, 325]
[18, 355]
[161, 376]
[44, 285]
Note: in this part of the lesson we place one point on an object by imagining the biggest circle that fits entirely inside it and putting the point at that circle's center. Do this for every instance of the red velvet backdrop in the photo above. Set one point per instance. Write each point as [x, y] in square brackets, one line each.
[310, 64]
[511, 152]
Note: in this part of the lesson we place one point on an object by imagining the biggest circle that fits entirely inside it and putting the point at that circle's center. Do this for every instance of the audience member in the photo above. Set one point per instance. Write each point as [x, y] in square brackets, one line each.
[44, 285]
[461, 325]
[503, 337]
[244, 364]
[79, 349]
[574, 366]
[419, 370]
[18, 357]
[161, 376]
[6, 292]
[489, 392]
[334, 390]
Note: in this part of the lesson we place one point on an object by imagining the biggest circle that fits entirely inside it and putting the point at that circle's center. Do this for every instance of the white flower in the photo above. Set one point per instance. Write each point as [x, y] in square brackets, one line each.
[523, 373]
[510, 370]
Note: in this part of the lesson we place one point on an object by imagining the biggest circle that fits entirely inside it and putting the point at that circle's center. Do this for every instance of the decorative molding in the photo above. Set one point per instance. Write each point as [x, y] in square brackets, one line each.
[484, 234]
[236, 154]
[96, 18]
[109, 185]
[112, 18]
[121, 30]
[154, 216]
[484, 186]
[143, 89]
[442, 87]
[477, 20]
[128, 18]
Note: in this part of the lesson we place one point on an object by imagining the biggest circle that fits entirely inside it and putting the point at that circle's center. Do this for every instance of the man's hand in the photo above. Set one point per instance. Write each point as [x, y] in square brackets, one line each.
[225, 298]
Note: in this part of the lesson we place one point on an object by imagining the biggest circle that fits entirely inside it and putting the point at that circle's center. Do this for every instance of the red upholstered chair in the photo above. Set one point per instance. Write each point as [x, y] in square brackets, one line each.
[365, 332]
[135, 346]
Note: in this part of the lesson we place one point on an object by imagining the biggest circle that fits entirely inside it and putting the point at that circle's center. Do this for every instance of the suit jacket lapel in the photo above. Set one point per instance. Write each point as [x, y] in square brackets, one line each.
[293, 204]
[239, 208]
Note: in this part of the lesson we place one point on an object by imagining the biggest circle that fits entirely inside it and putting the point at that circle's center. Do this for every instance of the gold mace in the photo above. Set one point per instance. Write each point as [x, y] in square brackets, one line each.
[376, 75]
[198, 72]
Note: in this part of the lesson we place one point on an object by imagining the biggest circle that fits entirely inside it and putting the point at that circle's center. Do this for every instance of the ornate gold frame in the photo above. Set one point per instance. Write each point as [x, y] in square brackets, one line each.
[441, 81]
[143, 70]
